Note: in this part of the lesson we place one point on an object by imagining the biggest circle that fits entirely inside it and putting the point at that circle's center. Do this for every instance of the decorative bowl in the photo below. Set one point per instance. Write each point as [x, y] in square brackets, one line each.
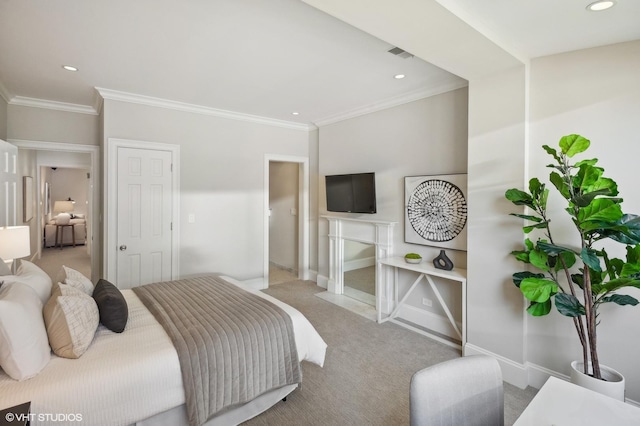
[411, 260]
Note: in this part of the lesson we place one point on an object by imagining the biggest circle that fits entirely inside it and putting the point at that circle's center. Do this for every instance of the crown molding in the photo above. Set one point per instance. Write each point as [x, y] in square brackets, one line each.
[392, 102]
[55, 105]
[116, 95]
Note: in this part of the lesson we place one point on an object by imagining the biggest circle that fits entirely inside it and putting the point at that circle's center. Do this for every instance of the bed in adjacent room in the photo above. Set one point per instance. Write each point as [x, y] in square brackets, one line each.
[137, 376]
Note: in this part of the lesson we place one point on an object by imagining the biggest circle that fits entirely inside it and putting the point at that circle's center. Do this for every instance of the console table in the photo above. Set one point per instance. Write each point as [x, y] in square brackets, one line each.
[427, 272]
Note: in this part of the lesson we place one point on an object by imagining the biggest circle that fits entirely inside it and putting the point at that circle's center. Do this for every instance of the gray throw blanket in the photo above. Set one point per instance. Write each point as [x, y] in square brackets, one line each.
[233, 345]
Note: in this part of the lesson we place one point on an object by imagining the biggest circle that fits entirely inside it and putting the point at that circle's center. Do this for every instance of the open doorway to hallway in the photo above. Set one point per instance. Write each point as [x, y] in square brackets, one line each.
[286, 231]
[65, 219]
[283, 221]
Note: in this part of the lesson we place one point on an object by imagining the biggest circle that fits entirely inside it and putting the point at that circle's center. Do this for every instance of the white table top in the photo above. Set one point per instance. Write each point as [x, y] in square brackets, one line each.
[560, 403]
[425, 267]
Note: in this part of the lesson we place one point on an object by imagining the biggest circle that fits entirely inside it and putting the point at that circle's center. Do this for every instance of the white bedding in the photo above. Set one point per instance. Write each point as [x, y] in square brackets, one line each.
[124, 378]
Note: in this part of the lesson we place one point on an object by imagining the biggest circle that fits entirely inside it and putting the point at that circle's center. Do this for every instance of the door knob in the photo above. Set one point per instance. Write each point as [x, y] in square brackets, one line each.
[123, 247]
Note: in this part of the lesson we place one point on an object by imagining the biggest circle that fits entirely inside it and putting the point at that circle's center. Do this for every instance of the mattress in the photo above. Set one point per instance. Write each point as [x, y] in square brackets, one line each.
[124, 378]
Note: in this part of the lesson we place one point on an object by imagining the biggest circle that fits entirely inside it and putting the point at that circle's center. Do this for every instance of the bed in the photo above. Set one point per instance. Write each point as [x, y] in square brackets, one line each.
[79, 223]
[134, 377]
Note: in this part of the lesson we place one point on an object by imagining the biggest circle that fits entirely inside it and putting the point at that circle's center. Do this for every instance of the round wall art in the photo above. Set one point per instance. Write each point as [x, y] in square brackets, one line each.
[436, 210]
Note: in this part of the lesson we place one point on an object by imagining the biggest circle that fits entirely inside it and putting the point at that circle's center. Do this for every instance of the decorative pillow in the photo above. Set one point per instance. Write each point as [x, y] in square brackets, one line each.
[63, 219]
[24, 348]
[75, 279]
[31, 275]
[71, 318]
[4, 268]
[112, 306]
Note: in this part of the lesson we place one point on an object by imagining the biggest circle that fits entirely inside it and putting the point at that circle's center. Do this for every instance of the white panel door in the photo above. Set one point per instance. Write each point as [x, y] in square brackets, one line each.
[144, 224]
[8, 183]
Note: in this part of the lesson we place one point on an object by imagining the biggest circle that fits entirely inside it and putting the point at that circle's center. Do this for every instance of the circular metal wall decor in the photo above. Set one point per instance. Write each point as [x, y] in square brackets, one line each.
[437, 210]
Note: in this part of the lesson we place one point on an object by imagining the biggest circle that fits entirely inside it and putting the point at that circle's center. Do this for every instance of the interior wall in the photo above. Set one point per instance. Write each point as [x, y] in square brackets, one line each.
[48, 125]
[283, 222]
[27, 167]
[496, 162]
[595, 93]
[71, 183]
[3, 117]
[221, 181]
[425, 137]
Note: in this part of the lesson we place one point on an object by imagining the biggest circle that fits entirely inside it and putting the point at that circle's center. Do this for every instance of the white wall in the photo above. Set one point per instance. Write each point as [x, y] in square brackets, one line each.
[221, 182]
[595, 93]
[424, 137]
[283, 225]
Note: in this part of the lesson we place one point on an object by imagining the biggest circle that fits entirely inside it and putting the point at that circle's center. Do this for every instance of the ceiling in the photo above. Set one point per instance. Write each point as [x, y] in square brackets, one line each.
[262, 58]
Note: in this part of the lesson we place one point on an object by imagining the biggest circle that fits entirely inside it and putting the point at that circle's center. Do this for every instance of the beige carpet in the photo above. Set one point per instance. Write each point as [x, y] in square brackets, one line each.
[365, 380]
[76, 257]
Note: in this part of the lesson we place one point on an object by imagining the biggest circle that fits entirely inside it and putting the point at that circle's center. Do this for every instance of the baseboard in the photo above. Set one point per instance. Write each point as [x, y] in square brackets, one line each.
[322, 281]
[512, 372]
[252, 284]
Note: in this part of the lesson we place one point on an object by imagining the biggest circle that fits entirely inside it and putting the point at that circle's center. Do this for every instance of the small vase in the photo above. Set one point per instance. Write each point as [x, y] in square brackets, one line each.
[613, 383]
[442, 261]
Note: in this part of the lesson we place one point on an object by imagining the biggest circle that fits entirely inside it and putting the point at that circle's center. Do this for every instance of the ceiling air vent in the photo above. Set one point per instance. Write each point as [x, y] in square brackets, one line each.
[400, 52]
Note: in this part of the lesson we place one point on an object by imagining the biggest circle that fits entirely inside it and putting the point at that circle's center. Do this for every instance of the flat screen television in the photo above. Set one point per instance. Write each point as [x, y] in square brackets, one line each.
[351, 193]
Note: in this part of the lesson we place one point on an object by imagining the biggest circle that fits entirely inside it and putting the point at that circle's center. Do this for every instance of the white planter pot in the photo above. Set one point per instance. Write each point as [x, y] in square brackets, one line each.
[612, 385]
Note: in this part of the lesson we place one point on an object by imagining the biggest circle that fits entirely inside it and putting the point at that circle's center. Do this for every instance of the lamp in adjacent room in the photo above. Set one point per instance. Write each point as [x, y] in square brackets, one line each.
[14, 243]
[63, 208]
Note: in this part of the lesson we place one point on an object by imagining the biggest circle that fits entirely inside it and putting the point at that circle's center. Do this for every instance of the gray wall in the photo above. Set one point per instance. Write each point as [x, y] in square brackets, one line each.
[221, 181]
[3, 118]
[40, 124]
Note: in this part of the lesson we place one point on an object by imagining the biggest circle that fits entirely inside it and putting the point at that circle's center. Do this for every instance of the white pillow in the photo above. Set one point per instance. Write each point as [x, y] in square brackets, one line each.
[24, 347]
[75, 279]
[4, 268]
[31, 275]
[63, 219]
[71, 318]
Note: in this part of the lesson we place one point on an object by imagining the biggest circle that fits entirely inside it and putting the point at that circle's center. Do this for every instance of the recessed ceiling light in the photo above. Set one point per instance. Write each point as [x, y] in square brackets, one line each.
[295, 113]
[399, 76]
[69, 68]
[601, 5]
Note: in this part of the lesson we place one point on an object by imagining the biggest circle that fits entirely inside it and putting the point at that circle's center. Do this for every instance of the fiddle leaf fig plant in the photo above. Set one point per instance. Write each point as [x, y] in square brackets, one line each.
[578, 277]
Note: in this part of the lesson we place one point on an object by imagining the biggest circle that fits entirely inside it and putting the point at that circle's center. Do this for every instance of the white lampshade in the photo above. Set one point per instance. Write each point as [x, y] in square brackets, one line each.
[14, 242]
[63, 206]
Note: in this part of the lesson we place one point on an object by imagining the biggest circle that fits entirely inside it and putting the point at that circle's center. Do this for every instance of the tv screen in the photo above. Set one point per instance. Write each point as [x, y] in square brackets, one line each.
[351, 193]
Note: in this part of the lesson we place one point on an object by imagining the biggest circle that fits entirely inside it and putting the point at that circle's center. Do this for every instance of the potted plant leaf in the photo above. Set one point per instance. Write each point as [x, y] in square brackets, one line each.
[579, 276]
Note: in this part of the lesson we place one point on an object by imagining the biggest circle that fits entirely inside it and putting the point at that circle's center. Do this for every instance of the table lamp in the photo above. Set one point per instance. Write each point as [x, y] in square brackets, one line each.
[14, 243]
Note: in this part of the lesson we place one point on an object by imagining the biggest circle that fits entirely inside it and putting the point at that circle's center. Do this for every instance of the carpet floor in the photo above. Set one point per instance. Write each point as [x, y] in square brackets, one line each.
[368, 367]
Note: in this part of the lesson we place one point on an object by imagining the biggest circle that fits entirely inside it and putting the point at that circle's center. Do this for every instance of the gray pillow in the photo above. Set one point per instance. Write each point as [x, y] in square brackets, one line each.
[4, 268]
[112, 306]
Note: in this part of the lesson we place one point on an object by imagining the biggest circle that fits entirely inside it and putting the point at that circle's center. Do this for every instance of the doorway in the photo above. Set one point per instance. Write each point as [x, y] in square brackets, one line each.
[286, 212]
[70, 156]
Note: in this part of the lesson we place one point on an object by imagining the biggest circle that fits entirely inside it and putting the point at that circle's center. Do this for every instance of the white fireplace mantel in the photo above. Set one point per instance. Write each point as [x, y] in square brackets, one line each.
[370, 231]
